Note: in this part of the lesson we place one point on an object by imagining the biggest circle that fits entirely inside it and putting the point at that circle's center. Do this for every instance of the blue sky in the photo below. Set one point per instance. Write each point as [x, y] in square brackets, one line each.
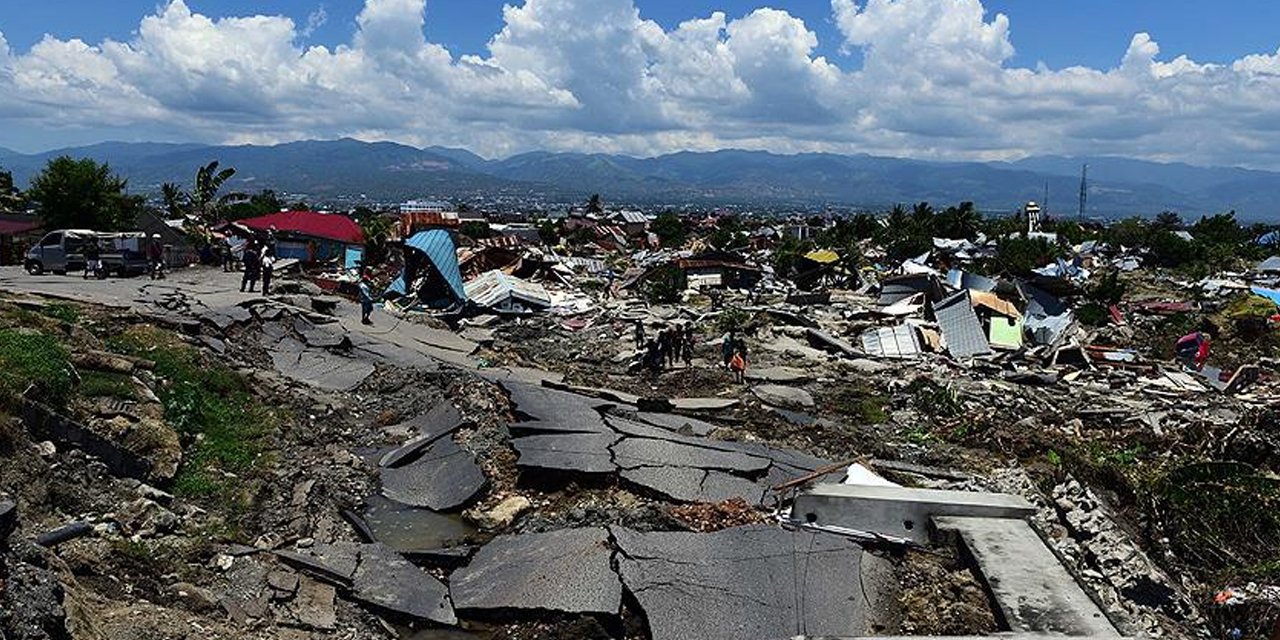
[1166, 80]
[1058, 33]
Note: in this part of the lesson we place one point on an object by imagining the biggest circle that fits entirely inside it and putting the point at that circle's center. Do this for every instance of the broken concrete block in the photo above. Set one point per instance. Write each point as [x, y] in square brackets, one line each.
[312, 606]
[780, 396]
[566, 570]
[900, 511]
[502, 514]
[777, 375]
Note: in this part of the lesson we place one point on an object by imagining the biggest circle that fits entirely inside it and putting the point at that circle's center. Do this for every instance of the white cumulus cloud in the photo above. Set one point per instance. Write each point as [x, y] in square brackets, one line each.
[935, 81]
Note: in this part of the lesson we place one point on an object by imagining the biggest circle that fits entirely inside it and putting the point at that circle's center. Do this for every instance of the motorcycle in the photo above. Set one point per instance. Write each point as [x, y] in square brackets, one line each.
[157, 270]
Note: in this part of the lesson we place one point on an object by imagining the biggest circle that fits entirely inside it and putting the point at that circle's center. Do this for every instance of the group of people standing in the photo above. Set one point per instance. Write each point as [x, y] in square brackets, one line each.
[668, 347]
[259, 262]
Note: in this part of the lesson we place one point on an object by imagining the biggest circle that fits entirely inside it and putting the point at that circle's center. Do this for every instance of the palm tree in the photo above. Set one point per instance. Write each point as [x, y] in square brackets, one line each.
[594, 205]
[205, 198]
[959, 222]
[1168, 221]
[176, 201]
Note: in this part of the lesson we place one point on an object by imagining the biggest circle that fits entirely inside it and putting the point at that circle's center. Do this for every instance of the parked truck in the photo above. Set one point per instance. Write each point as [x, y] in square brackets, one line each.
[62, 251]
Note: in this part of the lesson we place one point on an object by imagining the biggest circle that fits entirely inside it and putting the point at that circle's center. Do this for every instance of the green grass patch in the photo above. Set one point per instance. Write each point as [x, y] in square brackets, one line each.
[31, 359]
[100, 384]
[63, 311]
[224, 428]
[861, 403]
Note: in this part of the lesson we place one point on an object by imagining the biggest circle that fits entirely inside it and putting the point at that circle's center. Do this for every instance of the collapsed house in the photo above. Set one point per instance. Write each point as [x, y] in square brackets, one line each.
[431, 274]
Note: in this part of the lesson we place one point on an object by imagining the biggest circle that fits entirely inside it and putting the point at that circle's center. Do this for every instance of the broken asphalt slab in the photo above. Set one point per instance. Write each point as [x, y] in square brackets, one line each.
[443, 419]
[377, 576]
[676, 422]
[444, 478]
[566, 570]
[687, 484]
[578, 452]
[319, 369]
[748, 582]
[548, 410]
[633, 453]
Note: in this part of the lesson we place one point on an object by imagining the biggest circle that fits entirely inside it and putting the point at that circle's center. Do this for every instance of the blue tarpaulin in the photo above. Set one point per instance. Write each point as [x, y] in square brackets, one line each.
[1270, 294]
[352, 257]
[438, 246]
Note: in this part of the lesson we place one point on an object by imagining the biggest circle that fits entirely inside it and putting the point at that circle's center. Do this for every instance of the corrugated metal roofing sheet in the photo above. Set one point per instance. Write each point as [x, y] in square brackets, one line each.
[892, 342]
[440, 250]
[960, 327]
[492, 288]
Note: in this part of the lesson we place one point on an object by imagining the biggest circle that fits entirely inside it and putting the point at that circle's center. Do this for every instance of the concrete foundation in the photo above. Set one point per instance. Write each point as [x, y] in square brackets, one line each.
[898, 511]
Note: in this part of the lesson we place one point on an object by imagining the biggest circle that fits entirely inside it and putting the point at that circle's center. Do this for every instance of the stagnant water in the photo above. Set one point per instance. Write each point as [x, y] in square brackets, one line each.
[406, 528]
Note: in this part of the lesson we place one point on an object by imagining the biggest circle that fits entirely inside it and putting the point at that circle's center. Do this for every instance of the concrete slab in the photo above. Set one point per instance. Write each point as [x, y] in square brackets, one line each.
[777, 375]
[578, 452]
[703, 404]
[376, 575]
[780, 396]
[633, 453]
[1031, 589]
[444, 478]
[566, 570]
[900, 512]
[746, 582]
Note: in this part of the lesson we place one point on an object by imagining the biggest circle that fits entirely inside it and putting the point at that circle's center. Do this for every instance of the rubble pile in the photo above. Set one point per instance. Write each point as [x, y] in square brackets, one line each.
[601, 442]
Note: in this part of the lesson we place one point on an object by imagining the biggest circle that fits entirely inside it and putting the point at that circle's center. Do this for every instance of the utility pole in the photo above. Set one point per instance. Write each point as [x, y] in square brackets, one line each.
[1044, 204]
[1084, 190]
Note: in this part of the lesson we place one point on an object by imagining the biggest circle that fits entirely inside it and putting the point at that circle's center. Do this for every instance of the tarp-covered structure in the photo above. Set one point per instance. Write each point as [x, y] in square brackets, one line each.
[431, 269]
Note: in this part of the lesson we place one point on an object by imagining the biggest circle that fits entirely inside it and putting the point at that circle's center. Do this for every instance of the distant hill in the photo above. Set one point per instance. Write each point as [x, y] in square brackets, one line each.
[388, 171]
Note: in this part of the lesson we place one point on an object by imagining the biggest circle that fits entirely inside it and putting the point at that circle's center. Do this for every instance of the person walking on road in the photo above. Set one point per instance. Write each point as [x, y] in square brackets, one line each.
[252, 266]
[366, 300]
[155, 257]
[738, 364]
[92, 259]
[687, 346]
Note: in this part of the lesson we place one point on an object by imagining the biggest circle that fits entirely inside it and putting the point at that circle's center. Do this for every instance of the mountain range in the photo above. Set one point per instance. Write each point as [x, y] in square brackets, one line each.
[344, 170]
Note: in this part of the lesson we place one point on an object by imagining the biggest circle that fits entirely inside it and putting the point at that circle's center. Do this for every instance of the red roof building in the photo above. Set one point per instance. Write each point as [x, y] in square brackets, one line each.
[327, 226]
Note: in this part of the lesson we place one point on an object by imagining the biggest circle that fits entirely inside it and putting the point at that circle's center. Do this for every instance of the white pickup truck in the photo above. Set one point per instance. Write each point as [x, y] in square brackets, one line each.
[122, 253]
